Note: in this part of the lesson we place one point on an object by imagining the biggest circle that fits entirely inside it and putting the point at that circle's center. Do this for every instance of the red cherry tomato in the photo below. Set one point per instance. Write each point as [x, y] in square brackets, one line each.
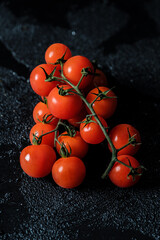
[105, 107]
[41, 128]
[37, 79]
[92, 133]
[40, 110]
[64, 106]
[79, 117]
[69, 172]
[97, 81]
[79, 147]
[118, 174]
[72, 70]
[37, 160]
[56, 51]
[119, 136]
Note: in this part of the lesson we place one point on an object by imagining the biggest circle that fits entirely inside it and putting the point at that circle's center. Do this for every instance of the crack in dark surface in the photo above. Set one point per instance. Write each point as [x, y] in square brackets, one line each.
[8, 61]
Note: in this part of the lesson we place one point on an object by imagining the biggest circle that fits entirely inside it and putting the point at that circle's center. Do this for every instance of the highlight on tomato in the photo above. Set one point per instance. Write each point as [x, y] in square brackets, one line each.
[63, 102]
[68, 172]
[73, 67]
[121, 135]
[90, 130]
[106, 103]
[37, 160]
[121, 175]
[56, 51]
[38, 77]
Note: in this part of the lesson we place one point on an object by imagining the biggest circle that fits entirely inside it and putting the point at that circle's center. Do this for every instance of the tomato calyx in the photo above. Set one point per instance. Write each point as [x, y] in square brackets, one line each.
[47, 118]
[65, 92]
[132, 140]
[36, 140]
[135, 171]
[69, 129]
[88, 120]
[102, 95]
[86, 71]
[61, 60]
[63, 150]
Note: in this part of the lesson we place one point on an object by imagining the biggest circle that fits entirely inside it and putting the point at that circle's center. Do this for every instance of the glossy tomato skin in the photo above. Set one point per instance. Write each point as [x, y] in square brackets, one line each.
[92, 133]
[119, 137]
[37, 160]
[79, 147]
[72, 70]
[75, 121]
[40, 110]
[41, 128]
[56, 51]
[64, 107]
[68, 172]
[37, 79]
[97, 81]
[119, 172]
[105, 107]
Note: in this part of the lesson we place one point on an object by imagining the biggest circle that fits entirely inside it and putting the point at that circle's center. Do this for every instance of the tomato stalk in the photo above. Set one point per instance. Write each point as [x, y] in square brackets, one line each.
[114, 159]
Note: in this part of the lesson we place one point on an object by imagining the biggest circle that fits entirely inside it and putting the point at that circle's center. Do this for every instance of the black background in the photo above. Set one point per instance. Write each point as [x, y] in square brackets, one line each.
[124, 37]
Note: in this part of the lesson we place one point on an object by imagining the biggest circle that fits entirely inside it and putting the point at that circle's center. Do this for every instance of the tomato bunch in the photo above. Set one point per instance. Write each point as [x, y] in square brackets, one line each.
[76, 104]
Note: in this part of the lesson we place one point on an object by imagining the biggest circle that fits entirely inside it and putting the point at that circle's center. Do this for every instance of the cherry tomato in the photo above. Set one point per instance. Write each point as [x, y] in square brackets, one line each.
[119, 136]
[41, 128]
[119, 173]
[69, 172]
[56, 51]
[72, 70]
[98, 81]
[37, 79]
[37, 160]
[79, 147]
[79, 117]
[64, 106]
[40, 110]
[92, 133]
[105, 107]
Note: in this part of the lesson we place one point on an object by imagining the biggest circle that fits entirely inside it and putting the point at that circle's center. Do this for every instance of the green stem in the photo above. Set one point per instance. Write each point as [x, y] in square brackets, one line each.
[112, 162]
[80, 81]
[89, 105]
[123, 146]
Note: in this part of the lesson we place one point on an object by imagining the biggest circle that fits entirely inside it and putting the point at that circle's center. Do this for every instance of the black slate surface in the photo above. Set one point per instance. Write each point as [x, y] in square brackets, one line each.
[124, 36]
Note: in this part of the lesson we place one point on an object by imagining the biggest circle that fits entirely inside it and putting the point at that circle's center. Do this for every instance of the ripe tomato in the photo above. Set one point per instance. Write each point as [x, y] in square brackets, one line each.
[56, 51]
[92, 133]
[79, 117]
[40, 110]
[118, 174]
[37, 79]
[105, 107]
[72, 70]
[97, 81]
[37, 160]
[79, 147]
[69, 172]
[64, 106]
[41, 128]
[119, 136]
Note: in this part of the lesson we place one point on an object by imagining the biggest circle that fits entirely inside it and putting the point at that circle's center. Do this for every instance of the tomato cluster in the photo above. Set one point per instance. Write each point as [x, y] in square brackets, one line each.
[77, 99]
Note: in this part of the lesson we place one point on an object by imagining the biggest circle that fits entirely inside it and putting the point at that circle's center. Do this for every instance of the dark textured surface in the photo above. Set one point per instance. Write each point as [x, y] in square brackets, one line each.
[124, 36]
